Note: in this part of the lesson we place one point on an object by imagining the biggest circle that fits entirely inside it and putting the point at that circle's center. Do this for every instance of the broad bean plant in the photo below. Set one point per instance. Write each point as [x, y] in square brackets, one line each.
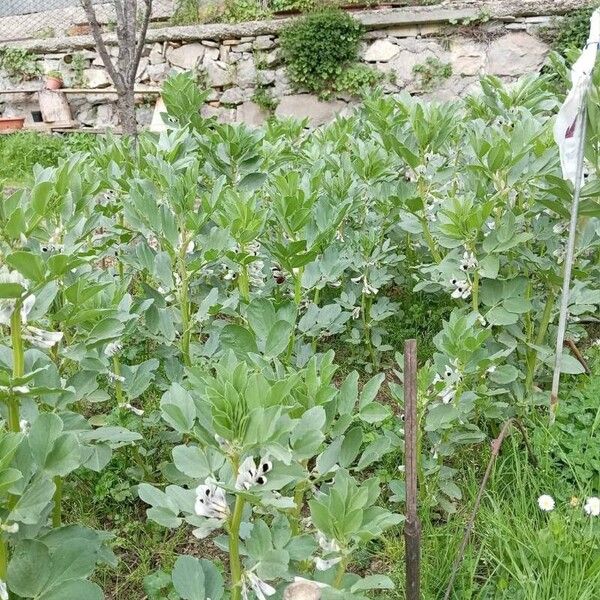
[196, 282]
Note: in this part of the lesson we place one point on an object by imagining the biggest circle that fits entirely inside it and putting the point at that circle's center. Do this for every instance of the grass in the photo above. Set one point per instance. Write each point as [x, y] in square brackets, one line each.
[517, 552]
[21, 151]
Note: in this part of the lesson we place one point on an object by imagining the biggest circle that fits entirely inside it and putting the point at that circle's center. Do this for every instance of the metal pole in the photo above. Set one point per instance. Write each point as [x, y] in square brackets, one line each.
[412, 529]
[564, 307]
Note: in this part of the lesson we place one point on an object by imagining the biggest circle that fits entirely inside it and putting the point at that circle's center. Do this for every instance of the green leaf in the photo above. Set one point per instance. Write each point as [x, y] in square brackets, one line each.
[34, 500]
[30, 265]
[11, 290]
[238, 339]
[188, 578]
[29, 568]
[374, 413]
[373, 582]
[178, 408]
[504, 374]
[278, 338]
[370, 390]
[77, 589]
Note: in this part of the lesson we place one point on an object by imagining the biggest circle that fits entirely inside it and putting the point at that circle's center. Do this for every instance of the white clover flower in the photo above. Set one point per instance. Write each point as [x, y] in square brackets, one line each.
[323, 564]
[112, 348]
[211, 501]
[41, 338]
[3, 591]
[462, 288]
[249, 474]
[261, 588]
[592, 506]
[7, 305]
[136, 411]
[468, 261]
[546, 503]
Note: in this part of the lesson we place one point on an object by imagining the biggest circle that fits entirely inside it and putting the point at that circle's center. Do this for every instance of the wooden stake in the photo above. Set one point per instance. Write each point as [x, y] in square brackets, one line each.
[412, 529]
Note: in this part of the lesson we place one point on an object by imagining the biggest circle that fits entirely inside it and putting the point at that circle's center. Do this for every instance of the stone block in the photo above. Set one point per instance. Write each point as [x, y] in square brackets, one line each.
[516, 54]
[187, 57]
[308, 106]
[381, 51]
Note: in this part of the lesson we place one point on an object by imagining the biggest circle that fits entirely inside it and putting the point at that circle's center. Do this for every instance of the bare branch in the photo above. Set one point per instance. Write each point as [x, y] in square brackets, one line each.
[139, 48]
[102, 49]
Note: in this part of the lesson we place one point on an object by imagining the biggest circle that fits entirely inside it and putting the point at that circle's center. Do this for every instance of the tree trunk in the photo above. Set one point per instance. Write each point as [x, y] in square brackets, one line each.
[126, 109]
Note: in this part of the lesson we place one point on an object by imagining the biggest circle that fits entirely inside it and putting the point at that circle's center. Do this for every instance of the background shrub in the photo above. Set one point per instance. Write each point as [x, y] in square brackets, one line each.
[317, 48]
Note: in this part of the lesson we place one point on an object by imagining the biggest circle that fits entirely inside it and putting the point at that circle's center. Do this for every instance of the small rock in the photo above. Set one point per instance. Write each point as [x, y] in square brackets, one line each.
[232, 96]
[302, 590]
[230, 42]
[106, 116]
[246, 72]
[265, 77]
[87, 116]
[142, 73]
[381, 51]
[187, 57]
[210, 44]
[210, 55]
[245, 47]
[158, 72]
[223, 115]
[218, 74]
[264, 42]
[224, 53]
[156, 55]
[96, 78]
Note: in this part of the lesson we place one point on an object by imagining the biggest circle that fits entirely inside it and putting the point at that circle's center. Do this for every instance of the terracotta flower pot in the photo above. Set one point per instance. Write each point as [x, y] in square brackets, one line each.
[53, 83]
[11, 123]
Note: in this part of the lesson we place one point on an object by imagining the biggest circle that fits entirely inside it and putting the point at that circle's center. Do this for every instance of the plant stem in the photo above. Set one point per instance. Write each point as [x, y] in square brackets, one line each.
[298, 287]
[244, 281]
[235, 565]
[184, 304]
[437, 257]
[366, 312]
[341, 571]
[475, 292]
[532, 353]
[18, 357]
[118, 385]
[57, 509]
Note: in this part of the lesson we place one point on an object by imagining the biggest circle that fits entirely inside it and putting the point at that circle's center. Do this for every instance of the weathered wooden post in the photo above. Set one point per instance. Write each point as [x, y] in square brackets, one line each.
[412, 529]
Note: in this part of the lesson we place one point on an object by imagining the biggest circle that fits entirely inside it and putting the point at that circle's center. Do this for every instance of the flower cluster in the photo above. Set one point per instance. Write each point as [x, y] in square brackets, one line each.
[591, 507]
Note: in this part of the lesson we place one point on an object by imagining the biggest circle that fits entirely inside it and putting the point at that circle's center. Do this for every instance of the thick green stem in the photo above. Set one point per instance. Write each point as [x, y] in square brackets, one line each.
[184, 305]
[118, 384]
[235, 564]
[341, 571]
[475, 292]
[437, 257]
[366, 312]
[539, 340]
[3, 558]
[298, 288]
[57, 509]
[244, 281]
[18, 357]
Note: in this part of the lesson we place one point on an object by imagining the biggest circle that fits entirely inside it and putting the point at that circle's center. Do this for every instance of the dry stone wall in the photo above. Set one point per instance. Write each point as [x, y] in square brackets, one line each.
[236, 61]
